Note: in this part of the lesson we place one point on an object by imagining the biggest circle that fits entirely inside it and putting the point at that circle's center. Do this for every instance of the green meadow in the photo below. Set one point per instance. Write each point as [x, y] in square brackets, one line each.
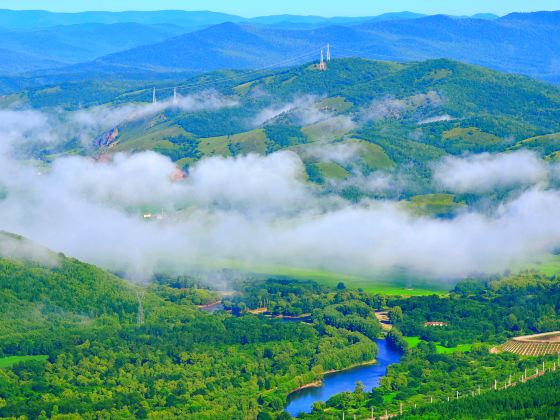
[414, 341]
[6, 362]
[395, 285]
[549, 265]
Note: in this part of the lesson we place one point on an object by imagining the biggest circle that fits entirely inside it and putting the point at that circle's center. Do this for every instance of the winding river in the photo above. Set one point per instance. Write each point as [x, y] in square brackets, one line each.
[334, 383]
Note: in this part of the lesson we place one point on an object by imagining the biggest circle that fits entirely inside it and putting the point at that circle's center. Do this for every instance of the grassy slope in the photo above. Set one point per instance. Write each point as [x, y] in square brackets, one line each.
[414, 341]
[253, 141]
[390, 285]
[549, 265]
[439, 204]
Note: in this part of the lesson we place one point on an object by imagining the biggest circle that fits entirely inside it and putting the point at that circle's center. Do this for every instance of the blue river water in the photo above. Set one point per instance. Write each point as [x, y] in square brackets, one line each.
[302, 401]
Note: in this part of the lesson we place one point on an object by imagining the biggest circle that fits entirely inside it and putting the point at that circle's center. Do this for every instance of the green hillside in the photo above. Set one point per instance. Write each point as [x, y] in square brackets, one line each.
[71, 345]
[538, 398]
[398, 117]
[38, 299]
[440, 104]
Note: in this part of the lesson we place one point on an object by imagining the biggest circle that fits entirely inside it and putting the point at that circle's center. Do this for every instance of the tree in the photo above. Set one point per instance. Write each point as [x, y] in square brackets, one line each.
[396, 314]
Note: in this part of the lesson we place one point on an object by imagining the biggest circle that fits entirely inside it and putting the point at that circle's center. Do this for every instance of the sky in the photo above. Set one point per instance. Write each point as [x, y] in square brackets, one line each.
[251, 8]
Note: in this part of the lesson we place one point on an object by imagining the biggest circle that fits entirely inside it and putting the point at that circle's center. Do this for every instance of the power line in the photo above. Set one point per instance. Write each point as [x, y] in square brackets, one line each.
[243, 74]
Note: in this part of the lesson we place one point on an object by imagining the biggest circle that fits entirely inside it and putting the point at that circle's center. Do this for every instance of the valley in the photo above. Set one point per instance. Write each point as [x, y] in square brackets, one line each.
[205, 215]
[93, 338]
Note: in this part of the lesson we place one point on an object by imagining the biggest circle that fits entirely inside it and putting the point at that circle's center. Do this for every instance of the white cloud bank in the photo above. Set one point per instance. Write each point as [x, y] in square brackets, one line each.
[486, 172]
[259, 210]
[16, 127]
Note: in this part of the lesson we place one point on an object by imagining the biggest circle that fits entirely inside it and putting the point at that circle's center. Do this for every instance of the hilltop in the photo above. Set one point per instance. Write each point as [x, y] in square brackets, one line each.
[42, 291]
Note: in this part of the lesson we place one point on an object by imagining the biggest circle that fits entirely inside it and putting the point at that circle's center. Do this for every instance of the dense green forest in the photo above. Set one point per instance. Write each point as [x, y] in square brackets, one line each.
[72, 344]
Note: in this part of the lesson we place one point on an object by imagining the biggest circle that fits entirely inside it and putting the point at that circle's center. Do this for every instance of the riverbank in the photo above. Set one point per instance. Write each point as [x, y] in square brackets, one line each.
[208, 305]
[383, 318]
[314, 384]
[292, 317]
[335, 381]
[355, 365]
[319, 382]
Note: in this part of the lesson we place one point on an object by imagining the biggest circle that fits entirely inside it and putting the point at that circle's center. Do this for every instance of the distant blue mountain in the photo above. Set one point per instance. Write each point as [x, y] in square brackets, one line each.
[485, 16]
[15, 62]
[536, 18]
[83, 42]
[33, 40]
[519, 43]
[308, 22]
[36, 19]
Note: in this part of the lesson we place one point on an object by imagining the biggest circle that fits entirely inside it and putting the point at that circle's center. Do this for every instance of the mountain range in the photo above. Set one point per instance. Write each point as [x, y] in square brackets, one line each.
[46, 48]
[516, 43]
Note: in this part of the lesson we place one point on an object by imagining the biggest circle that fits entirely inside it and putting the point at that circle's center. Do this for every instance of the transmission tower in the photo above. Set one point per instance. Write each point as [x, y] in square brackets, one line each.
[154, 99]
[140, 315]
[174, 96]
[322, 65]
[328, 53]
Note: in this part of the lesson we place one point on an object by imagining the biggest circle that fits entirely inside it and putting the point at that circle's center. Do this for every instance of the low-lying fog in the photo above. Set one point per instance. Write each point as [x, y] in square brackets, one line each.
[260, 209]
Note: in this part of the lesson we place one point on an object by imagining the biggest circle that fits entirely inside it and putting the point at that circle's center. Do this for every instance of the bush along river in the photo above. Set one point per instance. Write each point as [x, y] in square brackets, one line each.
[333, 383]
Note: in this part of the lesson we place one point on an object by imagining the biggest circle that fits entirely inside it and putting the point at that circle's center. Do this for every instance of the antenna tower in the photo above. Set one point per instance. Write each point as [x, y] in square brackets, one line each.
[328, 53]
[140, 315]
[154, 99]
[174, 96]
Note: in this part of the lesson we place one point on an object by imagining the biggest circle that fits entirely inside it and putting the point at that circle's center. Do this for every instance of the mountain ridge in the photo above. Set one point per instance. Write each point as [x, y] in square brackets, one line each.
[514, 44]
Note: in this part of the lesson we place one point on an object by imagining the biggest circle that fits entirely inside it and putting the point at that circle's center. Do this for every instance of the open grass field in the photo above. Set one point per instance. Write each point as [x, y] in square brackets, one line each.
[253, 141]
[549, 265]
[6, 362]
[372, 155]
[327, 130]
[414, 341]
[369, 284]
[397, 285]
[331, 170]
[434, 204]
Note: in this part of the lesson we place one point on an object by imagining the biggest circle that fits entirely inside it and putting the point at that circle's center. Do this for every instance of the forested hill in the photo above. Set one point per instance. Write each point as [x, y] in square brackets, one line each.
[398, 114]
[71, 344]
[50, 291]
